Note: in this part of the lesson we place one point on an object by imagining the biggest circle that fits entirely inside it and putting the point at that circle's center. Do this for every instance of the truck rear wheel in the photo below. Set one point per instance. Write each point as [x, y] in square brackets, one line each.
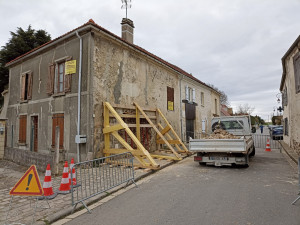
[253, 151]
[202, 163]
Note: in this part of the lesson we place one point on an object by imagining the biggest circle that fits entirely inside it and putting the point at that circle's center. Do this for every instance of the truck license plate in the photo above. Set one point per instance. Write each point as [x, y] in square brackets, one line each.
[218, 158]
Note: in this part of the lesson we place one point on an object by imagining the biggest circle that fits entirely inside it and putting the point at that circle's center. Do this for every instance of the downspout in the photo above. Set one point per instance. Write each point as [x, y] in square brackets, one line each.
[180, 102]
[79, 94]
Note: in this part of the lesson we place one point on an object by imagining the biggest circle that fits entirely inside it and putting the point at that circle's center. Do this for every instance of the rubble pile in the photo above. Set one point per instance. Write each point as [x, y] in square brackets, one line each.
[221, 134]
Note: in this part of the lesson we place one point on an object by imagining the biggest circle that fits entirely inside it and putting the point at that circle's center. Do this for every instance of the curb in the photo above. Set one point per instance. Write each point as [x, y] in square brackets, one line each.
[288, 153]
[67, 211]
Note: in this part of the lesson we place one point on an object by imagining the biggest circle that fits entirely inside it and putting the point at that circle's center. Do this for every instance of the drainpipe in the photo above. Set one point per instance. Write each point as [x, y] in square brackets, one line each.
[180, 102]
[79, 95]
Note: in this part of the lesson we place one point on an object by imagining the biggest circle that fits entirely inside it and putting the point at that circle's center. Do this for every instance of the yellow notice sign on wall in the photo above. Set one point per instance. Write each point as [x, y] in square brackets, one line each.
[170, 106]
[70, 67]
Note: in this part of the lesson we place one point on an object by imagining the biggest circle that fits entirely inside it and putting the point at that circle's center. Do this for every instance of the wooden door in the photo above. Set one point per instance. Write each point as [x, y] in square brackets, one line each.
[35, 133]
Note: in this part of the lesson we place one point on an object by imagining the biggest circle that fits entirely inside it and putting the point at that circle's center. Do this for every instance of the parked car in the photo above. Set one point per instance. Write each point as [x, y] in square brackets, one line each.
[277, 133]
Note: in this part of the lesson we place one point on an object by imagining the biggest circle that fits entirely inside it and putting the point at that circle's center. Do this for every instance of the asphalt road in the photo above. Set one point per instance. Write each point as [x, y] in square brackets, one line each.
[187, 193]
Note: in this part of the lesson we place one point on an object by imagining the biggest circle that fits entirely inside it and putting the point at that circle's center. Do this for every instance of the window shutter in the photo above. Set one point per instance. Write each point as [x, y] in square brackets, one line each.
[194, 95]
[187, 92]
[29, 90]
[22, 128]
[23, 82]
[50, 81]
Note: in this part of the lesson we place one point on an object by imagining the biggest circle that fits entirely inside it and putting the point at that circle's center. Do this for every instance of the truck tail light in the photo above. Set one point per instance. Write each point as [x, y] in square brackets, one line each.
[197, 158]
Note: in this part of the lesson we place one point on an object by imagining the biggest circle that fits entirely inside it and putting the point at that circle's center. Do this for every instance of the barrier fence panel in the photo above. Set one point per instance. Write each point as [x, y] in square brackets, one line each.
[100, 175]
[260, 141]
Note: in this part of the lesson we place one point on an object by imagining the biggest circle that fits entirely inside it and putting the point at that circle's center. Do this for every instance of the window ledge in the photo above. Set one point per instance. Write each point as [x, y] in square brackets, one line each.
[22, 144]
[59, 94]
[23, 101]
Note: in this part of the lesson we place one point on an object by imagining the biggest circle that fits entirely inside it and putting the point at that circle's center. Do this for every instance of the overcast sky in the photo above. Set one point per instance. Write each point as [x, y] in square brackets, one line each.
[236, 45]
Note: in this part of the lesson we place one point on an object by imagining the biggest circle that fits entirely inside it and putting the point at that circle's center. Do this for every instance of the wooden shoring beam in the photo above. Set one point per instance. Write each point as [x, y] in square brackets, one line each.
[173, 131]
[156, 130]
[165, 157]
[172, 141]
[140, 153]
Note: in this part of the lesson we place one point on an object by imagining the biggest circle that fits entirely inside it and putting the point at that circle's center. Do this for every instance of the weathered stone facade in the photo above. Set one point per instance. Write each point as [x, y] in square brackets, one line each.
[291, 99]
[113, 71]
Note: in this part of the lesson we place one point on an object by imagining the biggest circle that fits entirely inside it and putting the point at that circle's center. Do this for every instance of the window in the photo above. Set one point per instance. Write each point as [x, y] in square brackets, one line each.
[286, 127]
[229, 125]
[202, 98]
[170, 98]
[297, 72]
[58, 121]
[58, 82]
[60, 77]
[216, 107]
[190, 94]
[26, 86]
[22, 128]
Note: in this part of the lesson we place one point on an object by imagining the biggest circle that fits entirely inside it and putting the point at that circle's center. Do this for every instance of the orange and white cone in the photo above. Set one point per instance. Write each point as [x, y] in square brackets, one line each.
[268, 148]
[72, 168]
[47, 185]
[64, 185]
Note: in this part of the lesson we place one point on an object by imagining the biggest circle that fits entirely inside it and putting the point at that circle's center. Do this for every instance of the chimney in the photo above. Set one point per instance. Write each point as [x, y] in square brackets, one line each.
[127, 30]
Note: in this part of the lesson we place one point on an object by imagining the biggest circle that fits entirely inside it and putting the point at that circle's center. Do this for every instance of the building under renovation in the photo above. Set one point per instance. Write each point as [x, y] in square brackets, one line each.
[85, 93]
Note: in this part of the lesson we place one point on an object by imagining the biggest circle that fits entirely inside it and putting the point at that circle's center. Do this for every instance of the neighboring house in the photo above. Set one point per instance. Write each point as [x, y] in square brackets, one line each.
[290, 89]
[225, 111]
[199, 105]
[42, 111]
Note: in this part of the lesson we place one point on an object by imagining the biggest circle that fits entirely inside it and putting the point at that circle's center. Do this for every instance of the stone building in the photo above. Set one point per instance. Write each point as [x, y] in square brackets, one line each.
[290, 89]
[45, 95]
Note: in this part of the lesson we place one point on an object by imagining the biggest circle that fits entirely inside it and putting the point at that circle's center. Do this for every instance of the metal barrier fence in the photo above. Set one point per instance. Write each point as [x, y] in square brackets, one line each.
[260, 141]
[100, 175]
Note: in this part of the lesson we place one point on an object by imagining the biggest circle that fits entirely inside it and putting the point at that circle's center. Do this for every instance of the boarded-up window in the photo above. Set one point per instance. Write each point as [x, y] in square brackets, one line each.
[58, 121]
[26, 86]
[22, 128]
[297, 72]
[170, 98]
[190, 111]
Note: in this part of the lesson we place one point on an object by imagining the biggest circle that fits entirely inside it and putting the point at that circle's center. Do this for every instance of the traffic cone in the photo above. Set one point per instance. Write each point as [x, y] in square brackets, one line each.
[74, 181]
[65, 185]
[268, 148]
[47, 185]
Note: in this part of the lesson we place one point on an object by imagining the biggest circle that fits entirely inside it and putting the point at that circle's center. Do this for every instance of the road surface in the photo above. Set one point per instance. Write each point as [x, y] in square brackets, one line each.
[187, 193]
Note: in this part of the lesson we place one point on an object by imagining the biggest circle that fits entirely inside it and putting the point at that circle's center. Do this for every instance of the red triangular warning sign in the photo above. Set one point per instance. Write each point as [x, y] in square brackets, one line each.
[29, 184]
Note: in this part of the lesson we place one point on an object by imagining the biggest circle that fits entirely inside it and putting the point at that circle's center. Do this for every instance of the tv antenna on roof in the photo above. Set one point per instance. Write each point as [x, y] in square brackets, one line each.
[126, 5]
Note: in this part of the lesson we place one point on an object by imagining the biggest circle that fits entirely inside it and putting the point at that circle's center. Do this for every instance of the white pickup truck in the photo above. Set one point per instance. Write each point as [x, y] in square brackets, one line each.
[221, 152]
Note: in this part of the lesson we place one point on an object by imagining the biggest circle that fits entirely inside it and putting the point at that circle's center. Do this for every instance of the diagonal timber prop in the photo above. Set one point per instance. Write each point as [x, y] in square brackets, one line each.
[177, 141]
[160, 134]
[140, 154]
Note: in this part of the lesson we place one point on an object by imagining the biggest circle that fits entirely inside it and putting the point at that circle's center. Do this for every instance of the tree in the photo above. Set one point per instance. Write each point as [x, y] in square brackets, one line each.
[21, 41]
[244, 109]
[255, 120]
[223, 97]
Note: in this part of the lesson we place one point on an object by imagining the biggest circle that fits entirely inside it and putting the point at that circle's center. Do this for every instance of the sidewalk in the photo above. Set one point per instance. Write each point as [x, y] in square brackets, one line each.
[22, 207]
[290, 152]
